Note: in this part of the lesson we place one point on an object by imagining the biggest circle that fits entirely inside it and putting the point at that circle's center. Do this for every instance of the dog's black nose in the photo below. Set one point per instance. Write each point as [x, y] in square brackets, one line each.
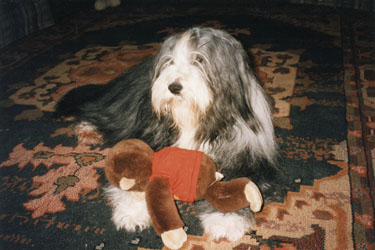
[175, 88]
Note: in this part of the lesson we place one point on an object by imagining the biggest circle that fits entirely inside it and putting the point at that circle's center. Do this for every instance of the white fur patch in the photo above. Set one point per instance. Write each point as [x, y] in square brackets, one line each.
[226, 225]
[129, 211]
[87, 134]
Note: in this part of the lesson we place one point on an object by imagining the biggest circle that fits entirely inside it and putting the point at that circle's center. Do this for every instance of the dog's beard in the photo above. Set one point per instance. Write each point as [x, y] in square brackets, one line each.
[185, 108]
[185, 114]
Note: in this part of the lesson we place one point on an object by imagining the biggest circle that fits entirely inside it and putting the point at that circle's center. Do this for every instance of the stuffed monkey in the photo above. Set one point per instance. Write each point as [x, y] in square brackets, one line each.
[175, 173]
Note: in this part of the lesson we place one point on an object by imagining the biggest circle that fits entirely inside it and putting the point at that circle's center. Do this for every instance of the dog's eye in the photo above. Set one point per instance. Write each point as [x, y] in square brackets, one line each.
[199, 59]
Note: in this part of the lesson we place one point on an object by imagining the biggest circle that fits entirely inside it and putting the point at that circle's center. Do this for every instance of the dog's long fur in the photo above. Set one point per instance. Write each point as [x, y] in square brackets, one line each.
[198, 92]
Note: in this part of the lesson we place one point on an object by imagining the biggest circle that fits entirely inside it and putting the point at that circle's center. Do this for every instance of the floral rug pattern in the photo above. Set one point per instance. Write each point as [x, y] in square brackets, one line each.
[318, 70]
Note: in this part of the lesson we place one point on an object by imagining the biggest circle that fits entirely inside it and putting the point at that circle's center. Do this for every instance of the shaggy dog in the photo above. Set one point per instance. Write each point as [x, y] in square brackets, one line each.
[199, 93]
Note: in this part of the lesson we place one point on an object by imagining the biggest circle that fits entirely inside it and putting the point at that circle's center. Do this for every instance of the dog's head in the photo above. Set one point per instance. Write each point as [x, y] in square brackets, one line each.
[181, 84]
[196, 69]
[202, 79]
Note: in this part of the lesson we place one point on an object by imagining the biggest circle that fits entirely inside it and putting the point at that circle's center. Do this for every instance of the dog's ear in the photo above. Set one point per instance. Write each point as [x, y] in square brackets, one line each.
[257, 101]
[164, 55]
[252, 94]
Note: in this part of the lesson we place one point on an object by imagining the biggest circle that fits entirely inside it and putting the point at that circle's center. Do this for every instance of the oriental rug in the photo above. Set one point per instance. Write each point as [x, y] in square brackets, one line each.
[318, 64]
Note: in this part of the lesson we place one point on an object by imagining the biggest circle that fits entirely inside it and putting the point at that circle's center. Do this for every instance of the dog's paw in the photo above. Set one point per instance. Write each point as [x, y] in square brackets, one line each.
[174, 239]
[254, 196]
[129, 209]
[87, 134]
[230, 226]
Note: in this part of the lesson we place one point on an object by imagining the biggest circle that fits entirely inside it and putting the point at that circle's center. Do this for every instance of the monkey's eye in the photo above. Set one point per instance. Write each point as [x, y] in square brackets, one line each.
[199, 59]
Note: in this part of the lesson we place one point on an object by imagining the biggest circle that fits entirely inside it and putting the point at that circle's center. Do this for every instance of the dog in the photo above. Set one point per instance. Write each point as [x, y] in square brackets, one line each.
[199, 92]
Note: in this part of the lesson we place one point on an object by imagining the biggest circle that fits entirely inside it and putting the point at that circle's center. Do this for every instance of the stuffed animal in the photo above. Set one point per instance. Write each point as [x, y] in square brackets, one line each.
[175, 173]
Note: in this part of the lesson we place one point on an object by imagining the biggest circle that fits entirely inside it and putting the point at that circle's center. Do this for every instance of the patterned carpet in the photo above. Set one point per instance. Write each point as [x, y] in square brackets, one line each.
[317, 63]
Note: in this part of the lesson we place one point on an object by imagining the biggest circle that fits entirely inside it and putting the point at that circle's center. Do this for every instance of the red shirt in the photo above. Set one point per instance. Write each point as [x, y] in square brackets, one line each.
[181, 167]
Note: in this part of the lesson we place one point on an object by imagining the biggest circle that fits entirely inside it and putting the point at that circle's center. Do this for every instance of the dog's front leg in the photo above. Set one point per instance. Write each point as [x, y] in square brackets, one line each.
[129, 209]
[231, 226]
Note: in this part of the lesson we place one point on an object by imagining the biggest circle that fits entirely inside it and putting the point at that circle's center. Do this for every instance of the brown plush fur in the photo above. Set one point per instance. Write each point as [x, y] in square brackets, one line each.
[132, 159]
[228, 196]
[160, 204]
[206, 177]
